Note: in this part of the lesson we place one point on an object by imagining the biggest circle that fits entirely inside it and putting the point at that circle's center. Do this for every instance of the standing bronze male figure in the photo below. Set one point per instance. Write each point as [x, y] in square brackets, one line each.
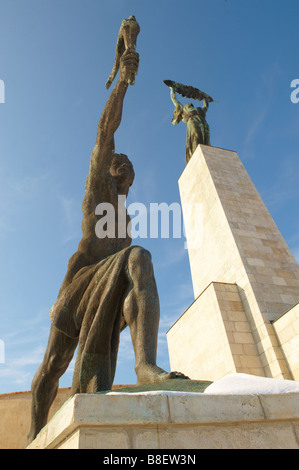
[109, 284]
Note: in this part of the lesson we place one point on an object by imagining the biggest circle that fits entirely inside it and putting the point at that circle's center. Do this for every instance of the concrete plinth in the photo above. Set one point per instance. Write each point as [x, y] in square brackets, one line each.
[170, 420]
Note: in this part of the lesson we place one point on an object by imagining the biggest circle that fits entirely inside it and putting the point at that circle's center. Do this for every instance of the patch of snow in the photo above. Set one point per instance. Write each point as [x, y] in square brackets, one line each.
[245, 384]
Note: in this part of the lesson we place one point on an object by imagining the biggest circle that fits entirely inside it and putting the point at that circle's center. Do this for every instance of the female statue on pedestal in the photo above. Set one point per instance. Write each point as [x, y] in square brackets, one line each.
[198, 131]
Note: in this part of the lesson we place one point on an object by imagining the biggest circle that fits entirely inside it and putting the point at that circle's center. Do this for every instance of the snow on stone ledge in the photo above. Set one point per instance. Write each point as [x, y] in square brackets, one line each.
[245, 384]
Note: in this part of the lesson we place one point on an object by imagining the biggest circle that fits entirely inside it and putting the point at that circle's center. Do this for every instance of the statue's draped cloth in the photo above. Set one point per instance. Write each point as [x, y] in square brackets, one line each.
[93, 302]
[197, 131]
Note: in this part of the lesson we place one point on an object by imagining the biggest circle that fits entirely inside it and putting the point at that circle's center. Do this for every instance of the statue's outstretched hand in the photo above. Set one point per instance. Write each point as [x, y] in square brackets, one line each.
[128, 68]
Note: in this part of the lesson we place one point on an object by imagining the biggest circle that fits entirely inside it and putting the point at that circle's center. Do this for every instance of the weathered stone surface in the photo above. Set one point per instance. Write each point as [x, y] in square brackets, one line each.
[173, 421]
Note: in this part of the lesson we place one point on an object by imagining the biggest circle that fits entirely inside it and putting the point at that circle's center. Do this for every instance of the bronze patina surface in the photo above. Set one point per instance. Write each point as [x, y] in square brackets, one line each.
[198, 131]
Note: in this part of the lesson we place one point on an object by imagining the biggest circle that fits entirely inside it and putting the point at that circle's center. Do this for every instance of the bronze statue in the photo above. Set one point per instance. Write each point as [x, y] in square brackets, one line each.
[198, 131]
[109, 284]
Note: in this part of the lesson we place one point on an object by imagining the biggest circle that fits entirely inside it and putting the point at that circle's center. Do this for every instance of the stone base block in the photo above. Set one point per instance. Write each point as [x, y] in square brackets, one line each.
[173, 420]
[213, 337]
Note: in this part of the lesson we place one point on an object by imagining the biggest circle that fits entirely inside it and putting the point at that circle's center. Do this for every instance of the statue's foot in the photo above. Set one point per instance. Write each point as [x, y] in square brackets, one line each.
[148, 373]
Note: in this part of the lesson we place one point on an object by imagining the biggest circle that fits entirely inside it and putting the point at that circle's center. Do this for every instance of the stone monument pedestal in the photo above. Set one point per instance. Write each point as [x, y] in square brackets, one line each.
[245, 317]
[166, 419]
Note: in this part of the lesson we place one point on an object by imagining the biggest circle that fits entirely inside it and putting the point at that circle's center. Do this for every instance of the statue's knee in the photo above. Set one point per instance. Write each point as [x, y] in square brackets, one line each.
[55, 365]
[140, 261]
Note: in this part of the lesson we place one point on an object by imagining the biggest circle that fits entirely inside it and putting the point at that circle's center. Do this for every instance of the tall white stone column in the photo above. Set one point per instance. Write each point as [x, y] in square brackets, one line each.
[236, 250]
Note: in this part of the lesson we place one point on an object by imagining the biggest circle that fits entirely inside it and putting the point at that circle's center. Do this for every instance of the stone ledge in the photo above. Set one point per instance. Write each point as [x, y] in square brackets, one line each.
[165, 417]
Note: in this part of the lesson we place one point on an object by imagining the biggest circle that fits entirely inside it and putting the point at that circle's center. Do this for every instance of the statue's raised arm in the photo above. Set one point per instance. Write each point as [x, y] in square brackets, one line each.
[127, 62]
[178, 110]
[112, 114]
[106, 178]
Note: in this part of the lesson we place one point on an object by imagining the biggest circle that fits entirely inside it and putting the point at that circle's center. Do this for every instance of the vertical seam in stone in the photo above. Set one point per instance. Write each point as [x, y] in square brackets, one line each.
[261, 403]
[168, 408]
[295, 433]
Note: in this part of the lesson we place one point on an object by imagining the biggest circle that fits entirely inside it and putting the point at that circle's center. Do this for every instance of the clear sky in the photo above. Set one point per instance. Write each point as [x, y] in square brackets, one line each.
[55, 58]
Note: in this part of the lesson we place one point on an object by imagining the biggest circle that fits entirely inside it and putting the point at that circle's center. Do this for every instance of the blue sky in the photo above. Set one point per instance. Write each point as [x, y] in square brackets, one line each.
[55, 58]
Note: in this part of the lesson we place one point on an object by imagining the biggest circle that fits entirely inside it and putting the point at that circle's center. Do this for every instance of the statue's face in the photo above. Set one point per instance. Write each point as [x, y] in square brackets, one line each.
[122, 170]
[188, 107]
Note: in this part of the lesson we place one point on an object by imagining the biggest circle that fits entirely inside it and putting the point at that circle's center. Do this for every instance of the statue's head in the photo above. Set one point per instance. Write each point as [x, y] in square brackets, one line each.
[123, 172]
[188, 110]
[188, 107]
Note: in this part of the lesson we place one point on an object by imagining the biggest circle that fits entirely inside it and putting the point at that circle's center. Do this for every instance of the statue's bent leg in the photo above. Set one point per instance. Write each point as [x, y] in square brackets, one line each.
[44, 386]
[142, 311]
